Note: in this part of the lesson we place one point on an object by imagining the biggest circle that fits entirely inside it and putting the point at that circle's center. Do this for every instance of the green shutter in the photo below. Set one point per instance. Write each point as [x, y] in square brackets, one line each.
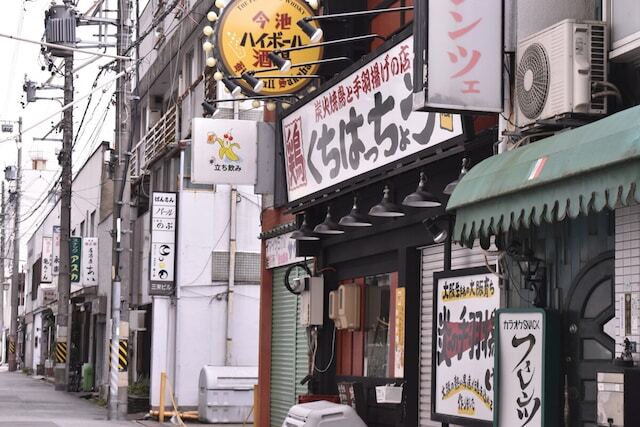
[289, 359]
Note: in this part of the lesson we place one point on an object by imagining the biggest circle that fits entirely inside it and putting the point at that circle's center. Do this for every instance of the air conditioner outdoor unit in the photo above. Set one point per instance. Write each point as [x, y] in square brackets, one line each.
[558, 71]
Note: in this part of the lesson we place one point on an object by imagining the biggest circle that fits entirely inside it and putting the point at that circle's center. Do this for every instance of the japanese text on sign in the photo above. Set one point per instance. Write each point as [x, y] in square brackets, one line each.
[55, 253]
[363, 122]
[47, 255]
[163, 236]
[89, 261]
[75, 250]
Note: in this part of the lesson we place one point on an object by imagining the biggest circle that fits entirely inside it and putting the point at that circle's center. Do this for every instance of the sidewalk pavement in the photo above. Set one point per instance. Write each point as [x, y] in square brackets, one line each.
[26, 401]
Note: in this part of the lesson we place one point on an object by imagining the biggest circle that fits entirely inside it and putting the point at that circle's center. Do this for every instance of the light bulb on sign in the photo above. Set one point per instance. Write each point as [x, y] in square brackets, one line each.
[218, 76]
[220, 4]
[207, 46]
[313, 4]
[271, 106]
[212, 16]
[255, 103]
[211, 62]
[208, 30]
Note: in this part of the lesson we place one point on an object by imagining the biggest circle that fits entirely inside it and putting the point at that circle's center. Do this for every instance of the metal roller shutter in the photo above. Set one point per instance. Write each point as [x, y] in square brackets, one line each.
[433, 261]
[289, 351]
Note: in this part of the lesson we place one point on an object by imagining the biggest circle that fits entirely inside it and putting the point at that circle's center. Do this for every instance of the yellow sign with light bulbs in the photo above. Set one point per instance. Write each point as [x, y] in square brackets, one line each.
[249, 30]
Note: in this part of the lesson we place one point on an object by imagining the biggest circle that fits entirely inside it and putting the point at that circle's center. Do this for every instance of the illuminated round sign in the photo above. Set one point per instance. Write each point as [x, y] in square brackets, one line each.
[249, 30]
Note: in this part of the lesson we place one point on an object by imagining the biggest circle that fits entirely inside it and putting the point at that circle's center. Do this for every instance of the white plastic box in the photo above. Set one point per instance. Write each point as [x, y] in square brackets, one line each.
[225, 393]
[322, 414]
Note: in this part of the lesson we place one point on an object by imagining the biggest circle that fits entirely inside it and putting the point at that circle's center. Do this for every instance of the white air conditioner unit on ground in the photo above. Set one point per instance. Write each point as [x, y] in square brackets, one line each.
[558, 71]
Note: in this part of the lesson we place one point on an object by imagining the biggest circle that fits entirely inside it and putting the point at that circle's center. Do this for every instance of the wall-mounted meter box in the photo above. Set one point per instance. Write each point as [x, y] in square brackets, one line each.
[312, 302]
[344, 306]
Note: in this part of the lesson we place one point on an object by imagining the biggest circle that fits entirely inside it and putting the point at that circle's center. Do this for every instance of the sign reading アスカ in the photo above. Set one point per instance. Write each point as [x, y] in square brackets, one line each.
[465, 304]
[75, 250]
[248, 30]
[224, 151]
[163, 243]
[361, 123]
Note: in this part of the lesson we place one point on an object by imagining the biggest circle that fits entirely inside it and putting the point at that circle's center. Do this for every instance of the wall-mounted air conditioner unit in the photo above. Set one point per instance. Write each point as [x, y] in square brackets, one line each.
[558, 71]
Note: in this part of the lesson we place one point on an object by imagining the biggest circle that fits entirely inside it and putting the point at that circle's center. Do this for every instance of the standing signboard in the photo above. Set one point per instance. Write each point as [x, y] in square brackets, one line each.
[465, 304]
[163, 243]
[75, 254]
[527, 375]
[364, 122]
[89, 261]
[47, 254]
[464, 56]
[55, 257]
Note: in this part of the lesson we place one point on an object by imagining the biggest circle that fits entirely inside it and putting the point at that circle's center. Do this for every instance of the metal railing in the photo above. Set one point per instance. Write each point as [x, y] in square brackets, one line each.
[161, 137]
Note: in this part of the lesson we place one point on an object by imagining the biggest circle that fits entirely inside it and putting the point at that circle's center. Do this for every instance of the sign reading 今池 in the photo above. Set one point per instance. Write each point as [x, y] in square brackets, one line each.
[248, 30]
[465, 304]
[363, 122]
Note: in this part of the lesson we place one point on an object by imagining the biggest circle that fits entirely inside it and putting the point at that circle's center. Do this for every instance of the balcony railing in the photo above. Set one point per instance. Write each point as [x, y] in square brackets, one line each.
[156, 142]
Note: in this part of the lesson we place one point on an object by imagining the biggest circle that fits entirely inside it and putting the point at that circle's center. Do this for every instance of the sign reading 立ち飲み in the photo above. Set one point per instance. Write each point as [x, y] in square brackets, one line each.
[363, 122]
[224, 151]
[465, 304]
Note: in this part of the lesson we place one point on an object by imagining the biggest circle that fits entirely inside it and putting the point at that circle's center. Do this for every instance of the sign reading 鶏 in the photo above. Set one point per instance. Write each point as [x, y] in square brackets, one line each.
[363, 122]
[89, 261]
[75, 250]
[465, 304]
[248, 30]
[46, 272]
[163, 243]
[224, 151]
[464, 56]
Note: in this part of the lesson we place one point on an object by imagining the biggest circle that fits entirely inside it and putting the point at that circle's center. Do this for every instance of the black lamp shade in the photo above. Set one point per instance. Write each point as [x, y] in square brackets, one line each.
[439, 234]
[355, 218]
[280, 62]
[386, 208]
[304, 232]
[421, 198]
[233, 88]
[256, 84]
[315, 34]
[328, 226]
[448, 190]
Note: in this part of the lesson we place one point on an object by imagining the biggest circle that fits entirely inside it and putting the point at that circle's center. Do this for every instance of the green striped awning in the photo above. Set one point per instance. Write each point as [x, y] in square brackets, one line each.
[583, 170]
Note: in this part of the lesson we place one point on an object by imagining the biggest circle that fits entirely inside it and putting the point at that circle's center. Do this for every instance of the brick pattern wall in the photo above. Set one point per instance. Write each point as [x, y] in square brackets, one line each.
[627, 273]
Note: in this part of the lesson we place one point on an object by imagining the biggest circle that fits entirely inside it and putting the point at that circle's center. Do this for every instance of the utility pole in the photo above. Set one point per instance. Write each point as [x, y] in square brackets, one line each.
[15, 277]
[120, 285]
[63, 326]
[3, 219]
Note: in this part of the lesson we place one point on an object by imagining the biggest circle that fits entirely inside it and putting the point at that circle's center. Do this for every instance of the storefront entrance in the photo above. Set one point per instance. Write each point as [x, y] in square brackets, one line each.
[588, 335]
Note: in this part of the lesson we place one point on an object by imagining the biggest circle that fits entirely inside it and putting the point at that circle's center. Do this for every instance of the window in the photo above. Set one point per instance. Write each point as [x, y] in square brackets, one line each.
[377, 326]
[83, 229]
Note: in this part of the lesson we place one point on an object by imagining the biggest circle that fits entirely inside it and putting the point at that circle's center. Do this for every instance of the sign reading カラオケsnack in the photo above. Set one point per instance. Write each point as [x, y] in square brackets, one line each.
[248, 30]
[465, 304]
[163, 243]
[521, 368]
[224, 151]
[465, 56]
[361, 123]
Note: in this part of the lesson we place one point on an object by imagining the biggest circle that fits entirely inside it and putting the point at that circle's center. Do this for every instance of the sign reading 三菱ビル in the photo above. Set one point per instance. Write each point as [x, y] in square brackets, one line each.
[249, 30]
[55, 253]
[224, 151]
[46, 272]
[75, 258]
[520, 374]
[281, 250]
[465, 304]
[89, 276]
[163, 243]
[363, 122]
[465, 56]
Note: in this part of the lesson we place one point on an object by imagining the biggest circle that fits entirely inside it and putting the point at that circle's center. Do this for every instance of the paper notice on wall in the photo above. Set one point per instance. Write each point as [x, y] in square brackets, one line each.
[398, 365]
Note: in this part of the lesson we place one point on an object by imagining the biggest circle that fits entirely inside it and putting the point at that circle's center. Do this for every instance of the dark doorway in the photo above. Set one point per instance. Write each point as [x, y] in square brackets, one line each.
[588, 336]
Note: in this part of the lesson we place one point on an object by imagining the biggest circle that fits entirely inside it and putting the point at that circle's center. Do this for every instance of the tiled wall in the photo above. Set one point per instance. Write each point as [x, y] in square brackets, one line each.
[627, 274]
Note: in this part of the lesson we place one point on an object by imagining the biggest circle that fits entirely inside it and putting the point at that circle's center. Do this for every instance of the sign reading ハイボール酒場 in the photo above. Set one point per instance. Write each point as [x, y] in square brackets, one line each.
[249, 30]
[363, 122]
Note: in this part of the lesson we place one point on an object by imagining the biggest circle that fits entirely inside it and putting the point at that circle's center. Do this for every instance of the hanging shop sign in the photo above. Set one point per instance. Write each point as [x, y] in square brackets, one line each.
[363, 122]
[465, 304]
[248, 30]
[55, 257]
[224, 151]
[46, 272]
[75, 251]
[89, 263]
[464, 56]
[281, 250]
[163, 243]
[528, 380]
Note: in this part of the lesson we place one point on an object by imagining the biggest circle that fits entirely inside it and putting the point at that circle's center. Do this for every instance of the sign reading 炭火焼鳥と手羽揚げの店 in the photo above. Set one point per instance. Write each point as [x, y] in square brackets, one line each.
[363, 122]
[465, 304]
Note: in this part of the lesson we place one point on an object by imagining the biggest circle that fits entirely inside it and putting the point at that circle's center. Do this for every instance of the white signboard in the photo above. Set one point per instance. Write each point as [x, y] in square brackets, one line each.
[47, 254]
[465, 306]
[465, 55]
[281, 250]
[163, 243]
[55, 258]
[224, 151]
[520, 375]
[363, 122]
[89, 264]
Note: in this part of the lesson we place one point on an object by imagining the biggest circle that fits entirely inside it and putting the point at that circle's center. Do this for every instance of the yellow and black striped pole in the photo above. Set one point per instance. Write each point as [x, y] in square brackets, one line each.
[123, 355]
[60, 352]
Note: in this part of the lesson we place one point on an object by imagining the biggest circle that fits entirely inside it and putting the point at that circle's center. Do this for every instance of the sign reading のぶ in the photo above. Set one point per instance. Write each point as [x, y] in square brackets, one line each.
[465, 304]
[248, 30]
[163, 243]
